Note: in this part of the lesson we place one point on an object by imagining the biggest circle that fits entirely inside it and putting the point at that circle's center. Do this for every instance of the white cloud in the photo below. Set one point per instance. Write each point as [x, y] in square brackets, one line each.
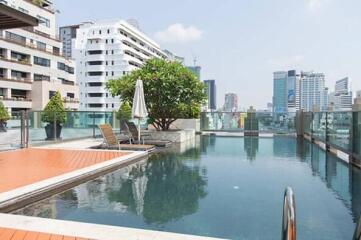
[286, 62]
[179, 33]
[314, 5]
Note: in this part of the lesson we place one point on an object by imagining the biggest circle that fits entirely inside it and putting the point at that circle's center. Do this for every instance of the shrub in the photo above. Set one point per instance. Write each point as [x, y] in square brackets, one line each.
[124, 112]
[54, 106]
[4, 114]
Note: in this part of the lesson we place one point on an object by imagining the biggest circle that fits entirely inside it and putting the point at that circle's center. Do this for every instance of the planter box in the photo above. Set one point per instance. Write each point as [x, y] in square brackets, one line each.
[177, 136]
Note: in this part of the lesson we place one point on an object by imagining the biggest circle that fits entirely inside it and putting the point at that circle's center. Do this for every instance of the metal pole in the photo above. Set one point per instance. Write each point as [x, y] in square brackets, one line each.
[289, 216]
[27, 122]
[55, 133]
[22, 129]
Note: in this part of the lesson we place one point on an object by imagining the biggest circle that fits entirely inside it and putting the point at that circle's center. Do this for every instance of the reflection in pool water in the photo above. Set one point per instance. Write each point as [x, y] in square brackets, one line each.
[222, 187]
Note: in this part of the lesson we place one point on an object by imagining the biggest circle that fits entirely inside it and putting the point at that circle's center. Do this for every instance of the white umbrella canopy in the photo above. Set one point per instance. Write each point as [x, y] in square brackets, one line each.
[139, 109]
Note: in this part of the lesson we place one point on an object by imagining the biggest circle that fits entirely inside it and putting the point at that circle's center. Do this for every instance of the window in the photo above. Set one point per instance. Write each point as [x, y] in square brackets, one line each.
[112, 73]
[40, 45]
[70, 95]
[43, 21]
[42, 61]
[100, 31]
[112, 105]
[95, 105]
[95, 52]
[95, 73]
[18, 74]
[15, 37]
[108, 31]
[106, 105]
[112, 40]
[95, 84]
[39, 77]
[112, 51]
[106, 52]
[91, 63]
[112, 62]
[20, 9]
[106, 41]
[95, 94]
[51, 93]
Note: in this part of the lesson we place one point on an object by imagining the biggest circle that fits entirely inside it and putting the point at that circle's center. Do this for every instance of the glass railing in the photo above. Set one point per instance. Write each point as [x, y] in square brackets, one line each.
[263, 122]
[356, 143]
[10, 133]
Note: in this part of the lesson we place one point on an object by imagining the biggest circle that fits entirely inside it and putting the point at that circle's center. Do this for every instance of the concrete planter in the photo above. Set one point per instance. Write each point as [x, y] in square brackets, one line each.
[177, 136]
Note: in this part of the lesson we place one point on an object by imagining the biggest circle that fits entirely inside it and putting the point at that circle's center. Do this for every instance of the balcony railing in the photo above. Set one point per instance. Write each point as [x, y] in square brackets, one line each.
[21, 80]
[19, 61]
[19, 99]
[70, 100]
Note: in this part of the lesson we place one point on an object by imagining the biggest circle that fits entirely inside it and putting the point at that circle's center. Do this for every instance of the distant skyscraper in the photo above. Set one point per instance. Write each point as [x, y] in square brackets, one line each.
[313, 93]
[286, 91]
[211, 94]
[358, 94]
[231, 102]
[67, 34]
[196, 70]
[341, 98]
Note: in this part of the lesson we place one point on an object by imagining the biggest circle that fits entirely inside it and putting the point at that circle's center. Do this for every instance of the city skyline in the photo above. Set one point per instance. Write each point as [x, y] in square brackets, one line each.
[244, 61]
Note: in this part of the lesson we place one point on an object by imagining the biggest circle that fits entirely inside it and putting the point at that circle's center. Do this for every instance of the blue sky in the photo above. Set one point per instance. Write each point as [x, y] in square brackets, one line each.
[239, 43]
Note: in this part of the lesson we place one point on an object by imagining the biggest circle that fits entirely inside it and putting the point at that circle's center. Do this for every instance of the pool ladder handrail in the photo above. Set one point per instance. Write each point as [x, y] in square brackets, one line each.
[289, 215]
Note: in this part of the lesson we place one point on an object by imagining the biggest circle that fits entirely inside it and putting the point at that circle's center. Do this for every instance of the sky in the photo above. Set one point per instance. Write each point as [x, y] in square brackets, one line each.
[240, 43]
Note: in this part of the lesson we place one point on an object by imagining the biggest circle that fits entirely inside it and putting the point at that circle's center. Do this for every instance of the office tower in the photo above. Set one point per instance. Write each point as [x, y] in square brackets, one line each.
[32, 67]
[211, 94]
[313, 93]
[108, 50]
[196, 70]
[231, 102]
[341, 98]
[286, 96]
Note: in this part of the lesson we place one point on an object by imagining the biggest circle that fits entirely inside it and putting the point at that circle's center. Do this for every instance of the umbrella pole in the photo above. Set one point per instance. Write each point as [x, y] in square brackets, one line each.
[139, 131]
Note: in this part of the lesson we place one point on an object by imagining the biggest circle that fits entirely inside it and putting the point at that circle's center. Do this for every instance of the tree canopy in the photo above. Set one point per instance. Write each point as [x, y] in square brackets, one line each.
[171, 91]
[4, 114]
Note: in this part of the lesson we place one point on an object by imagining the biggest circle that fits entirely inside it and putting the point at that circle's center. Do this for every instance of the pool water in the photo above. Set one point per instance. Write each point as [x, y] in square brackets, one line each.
[227, 187]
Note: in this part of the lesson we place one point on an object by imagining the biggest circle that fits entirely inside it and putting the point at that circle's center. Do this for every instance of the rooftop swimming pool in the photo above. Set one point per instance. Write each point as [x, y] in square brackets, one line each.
[227, 187]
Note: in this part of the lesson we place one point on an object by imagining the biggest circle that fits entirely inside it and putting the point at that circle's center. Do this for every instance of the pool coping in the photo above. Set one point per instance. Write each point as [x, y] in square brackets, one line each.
[89, 230]
[22, 196]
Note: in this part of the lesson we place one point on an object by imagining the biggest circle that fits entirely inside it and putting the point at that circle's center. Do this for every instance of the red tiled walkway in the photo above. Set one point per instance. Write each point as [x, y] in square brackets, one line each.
[23, 167]
[12, 234]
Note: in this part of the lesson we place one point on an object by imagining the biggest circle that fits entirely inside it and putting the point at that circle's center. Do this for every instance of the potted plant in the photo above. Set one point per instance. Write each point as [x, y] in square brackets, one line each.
[54, 114]
[4, 116]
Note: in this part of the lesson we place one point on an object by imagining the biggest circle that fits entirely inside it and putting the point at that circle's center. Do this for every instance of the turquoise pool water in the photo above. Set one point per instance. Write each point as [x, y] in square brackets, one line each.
[226, 187]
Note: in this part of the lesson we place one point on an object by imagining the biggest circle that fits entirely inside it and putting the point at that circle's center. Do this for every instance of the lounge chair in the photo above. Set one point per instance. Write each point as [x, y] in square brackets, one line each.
[110, 140]
[144, 137]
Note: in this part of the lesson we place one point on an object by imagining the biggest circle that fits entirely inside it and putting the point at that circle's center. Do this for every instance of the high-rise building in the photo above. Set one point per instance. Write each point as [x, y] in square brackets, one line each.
[211, 94]
[358, 94]
[341, 98]
[231, 102]
[196, 70]
[32, 67]
[313, 93]
[286, 91]
[108, 50]
[67, 34]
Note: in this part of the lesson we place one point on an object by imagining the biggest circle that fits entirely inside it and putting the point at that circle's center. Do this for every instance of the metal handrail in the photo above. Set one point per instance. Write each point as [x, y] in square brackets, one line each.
[289, 215]
[357, 233]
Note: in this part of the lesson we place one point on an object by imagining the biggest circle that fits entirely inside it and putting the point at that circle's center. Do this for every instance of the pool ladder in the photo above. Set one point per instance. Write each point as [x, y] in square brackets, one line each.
[289, 218]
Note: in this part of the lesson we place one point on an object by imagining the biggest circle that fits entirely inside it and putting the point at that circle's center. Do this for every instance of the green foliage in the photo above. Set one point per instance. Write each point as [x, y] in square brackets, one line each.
[54, 107]
[124, 112]
[38, 2]
[171, 91]
[4, 114]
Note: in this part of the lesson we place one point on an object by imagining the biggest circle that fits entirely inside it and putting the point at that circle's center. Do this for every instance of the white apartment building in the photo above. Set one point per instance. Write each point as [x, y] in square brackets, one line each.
[32, 67]
[341, 98]
[313, 93]
[108, 50]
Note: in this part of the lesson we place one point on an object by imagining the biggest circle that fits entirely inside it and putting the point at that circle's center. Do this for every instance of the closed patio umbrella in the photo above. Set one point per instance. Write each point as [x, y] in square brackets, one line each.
[139, 110]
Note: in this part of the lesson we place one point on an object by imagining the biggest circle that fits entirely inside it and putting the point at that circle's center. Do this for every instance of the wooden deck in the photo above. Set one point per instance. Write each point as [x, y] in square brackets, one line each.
[27, 166]
[13, 234]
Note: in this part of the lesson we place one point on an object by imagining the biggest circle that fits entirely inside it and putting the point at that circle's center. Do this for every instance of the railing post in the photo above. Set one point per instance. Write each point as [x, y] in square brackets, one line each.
[22, 129]
[55, 128]
[93, 124]
[27, 123]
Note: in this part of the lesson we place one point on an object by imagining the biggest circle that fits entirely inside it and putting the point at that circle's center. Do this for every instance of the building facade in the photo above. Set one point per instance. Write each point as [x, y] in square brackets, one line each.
[32, 67]
[211, 92]
[231, 102]
[67, 34]
[108, 50]
[196, 70]
[313, 93]
[341, 98]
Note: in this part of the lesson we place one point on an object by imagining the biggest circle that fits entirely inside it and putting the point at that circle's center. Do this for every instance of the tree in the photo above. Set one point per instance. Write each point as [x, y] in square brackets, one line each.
[4, 114]
[54, 107]
[171, 91]
[124, 112]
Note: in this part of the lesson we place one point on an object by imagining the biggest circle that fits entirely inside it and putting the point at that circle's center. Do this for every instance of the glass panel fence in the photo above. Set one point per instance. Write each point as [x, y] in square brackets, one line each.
[357, 134]
[307, 123]
[339, 125]
[10, 132]
[319, 124]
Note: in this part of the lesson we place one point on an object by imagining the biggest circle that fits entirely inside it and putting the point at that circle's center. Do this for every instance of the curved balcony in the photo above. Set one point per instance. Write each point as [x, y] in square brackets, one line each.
[95, 46]
[95, 68]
